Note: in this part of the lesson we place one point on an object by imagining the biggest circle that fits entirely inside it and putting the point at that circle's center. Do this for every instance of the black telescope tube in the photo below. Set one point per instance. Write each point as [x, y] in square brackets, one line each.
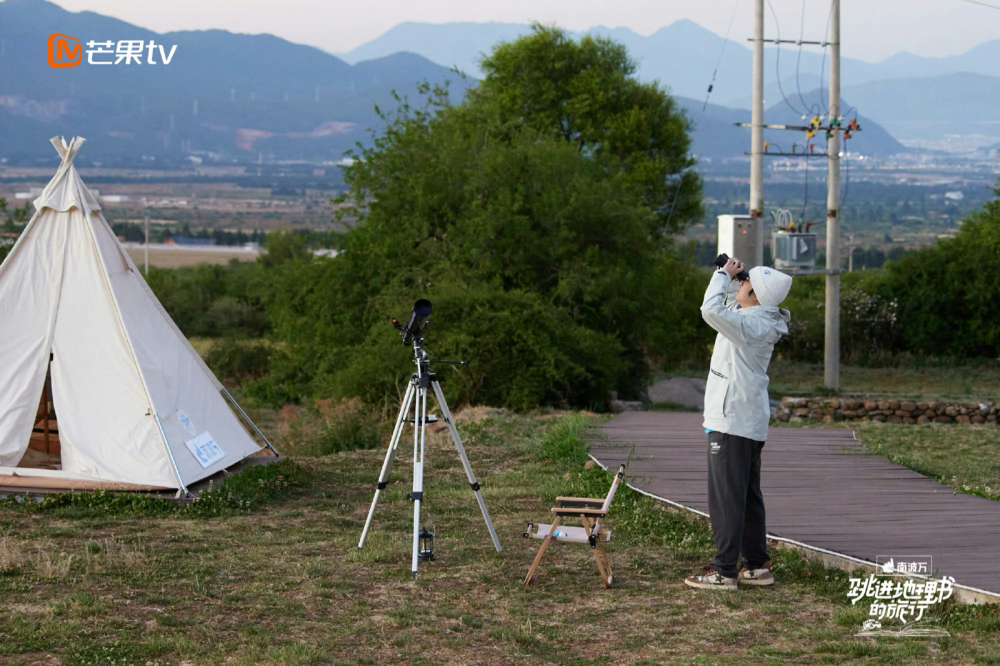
[417, 321]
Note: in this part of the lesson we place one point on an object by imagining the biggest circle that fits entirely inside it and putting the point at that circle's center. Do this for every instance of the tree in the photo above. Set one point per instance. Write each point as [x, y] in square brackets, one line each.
[535, 215]
[947, 293]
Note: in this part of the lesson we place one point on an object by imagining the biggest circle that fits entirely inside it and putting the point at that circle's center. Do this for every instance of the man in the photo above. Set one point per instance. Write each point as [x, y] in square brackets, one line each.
[737, 412]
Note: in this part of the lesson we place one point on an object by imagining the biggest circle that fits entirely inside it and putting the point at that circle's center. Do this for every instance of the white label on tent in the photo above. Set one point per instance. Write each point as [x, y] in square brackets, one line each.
[186, 422]
[204, 448]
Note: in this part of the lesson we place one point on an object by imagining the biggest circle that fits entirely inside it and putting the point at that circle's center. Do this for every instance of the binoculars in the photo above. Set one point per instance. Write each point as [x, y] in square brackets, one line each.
[721, 260]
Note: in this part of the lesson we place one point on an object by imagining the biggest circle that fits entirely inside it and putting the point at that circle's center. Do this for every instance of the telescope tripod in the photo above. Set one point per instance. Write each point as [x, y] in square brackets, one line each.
[416, 391]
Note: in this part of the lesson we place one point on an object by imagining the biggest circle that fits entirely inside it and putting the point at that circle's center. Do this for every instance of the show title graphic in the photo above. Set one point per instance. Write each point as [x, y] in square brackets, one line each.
[66, 51]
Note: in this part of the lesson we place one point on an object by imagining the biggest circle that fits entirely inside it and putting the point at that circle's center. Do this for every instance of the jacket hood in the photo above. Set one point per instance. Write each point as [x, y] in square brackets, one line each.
[781, 316]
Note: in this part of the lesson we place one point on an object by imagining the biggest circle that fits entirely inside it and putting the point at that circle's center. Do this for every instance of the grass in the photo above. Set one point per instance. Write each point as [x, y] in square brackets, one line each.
[284, 583]
[919, 379]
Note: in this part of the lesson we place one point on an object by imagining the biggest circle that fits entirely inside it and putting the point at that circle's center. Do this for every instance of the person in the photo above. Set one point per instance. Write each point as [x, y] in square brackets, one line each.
[737, 412]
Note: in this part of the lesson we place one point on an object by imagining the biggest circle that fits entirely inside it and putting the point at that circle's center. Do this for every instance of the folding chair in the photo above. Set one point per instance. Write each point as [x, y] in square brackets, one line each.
[591, 512]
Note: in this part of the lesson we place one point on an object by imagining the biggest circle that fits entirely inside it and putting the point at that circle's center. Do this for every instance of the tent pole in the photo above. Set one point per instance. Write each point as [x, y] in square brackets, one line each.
[252, 424]
[45, 401]
[183, 489]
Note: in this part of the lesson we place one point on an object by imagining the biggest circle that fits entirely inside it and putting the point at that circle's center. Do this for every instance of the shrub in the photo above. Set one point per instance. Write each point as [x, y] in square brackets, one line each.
[331, 427]
[239, 359]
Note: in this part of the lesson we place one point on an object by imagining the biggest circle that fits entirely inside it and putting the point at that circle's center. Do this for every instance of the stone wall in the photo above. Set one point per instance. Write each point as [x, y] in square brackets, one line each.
[827, 410]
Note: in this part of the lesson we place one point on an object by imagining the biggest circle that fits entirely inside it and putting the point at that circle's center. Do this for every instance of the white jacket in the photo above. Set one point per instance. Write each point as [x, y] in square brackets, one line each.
[736, 400]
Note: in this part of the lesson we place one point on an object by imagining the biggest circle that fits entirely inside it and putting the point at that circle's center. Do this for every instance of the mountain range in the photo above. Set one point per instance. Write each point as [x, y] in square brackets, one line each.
[687, 57]
[247, 96]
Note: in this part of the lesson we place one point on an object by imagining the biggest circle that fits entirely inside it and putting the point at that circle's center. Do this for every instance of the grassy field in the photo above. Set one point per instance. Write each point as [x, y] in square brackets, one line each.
[185, 257]
[928, 380]
[285, 583]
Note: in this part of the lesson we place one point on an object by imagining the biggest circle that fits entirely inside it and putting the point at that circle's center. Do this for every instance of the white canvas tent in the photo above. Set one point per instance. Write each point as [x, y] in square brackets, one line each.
[81, 333]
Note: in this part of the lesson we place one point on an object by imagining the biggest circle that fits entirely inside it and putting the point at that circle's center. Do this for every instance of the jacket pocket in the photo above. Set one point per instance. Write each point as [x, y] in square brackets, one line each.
[717, 392]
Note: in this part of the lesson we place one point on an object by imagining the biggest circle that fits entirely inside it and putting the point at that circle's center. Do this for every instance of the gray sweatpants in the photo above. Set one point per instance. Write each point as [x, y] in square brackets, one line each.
[735, 503]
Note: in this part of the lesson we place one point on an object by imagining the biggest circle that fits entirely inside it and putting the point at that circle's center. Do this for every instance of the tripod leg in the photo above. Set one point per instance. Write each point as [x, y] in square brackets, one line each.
[446, 413]
[420, 420]
[390, 455]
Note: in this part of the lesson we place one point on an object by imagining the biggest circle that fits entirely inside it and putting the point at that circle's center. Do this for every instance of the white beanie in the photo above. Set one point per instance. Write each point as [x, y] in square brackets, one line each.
[770, 285]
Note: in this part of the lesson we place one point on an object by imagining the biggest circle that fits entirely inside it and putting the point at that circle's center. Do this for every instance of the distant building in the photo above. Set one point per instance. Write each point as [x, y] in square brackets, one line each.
[954, 196]
[188, 241]
[115, 198]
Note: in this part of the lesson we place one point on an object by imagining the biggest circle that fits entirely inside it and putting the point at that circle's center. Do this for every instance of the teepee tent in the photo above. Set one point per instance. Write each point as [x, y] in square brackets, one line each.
[89, 357]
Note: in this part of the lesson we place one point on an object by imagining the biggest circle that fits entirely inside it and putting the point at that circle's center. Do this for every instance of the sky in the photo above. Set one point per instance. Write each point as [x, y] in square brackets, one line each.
[870, 29]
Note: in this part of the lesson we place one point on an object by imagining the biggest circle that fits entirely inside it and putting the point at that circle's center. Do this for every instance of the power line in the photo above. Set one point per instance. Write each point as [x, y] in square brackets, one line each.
[777, 61]
[976, 2]
[725, 41]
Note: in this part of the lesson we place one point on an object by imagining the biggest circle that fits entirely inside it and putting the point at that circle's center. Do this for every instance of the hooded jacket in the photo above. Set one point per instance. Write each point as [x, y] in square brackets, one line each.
[736, 400]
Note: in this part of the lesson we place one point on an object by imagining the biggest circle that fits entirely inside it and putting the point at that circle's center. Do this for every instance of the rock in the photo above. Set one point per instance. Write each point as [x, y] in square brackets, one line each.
[950, 411]
[943, 419]
[895, 419]
[590, 464]
[992, 418]
[796, 419]
[834, 404]
[930, 413]
[879, 418]
[792, 402]
[978, 419]
[871, 405]
[923, 419]
[849, 413]
[909, 419]
[783, 416]
[816, 416]
[962, 418]
[922, 406]
[933, 404]
[894, 405]
[901, 412]
[827, 419]
[619, 406]
[907, 406]
[687, 391]
[801, 411]
[862, 412]
[884, 405]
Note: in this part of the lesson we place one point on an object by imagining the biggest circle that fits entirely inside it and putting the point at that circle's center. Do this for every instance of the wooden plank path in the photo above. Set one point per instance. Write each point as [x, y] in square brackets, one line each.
[822, 489]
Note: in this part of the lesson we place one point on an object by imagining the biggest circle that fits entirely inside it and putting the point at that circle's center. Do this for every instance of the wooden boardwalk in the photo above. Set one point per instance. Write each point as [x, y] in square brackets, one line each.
[821, 489]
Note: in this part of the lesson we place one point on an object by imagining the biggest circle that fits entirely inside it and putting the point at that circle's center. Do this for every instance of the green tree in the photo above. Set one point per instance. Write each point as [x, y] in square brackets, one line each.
[947, 293]
[535, 215]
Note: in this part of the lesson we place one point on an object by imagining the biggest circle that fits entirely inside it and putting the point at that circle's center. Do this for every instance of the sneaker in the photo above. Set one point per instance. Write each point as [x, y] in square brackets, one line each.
[760, 577]
[711, 579]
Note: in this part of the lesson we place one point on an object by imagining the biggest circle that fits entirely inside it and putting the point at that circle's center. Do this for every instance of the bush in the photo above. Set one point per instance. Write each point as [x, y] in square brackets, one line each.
[332, 427]
[239, 359]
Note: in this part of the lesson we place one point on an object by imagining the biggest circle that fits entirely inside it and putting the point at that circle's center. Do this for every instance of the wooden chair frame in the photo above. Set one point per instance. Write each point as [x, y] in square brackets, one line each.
[591, 512]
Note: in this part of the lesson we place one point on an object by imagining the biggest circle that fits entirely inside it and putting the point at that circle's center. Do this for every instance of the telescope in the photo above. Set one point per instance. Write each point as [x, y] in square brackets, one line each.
[417, 322]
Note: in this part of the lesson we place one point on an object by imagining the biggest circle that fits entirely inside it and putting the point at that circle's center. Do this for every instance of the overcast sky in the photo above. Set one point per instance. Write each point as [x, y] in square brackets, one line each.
[871, 29]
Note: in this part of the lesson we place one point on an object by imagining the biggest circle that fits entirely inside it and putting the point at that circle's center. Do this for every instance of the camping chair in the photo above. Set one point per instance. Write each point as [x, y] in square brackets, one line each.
[591, 512]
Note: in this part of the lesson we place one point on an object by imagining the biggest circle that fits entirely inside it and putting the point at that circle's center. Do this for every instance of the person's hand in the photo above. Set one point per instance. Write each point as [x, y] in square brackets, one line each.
[733, 266]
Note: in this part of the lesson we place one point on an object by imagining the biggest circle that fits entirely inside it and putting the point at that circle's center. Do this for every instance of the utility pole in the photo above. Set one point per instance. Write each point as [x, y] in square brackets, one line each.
[757, 115]
[831, 343]
[850, 255]
[147, 246]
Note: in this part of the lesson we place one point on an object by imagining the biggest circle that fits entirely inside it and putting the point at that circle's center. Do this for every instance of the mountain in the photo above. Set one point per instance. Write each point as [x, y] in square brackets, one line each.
[716, 136]
[682, 55]
[231, 94]
[930, 107]
[238, 96]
